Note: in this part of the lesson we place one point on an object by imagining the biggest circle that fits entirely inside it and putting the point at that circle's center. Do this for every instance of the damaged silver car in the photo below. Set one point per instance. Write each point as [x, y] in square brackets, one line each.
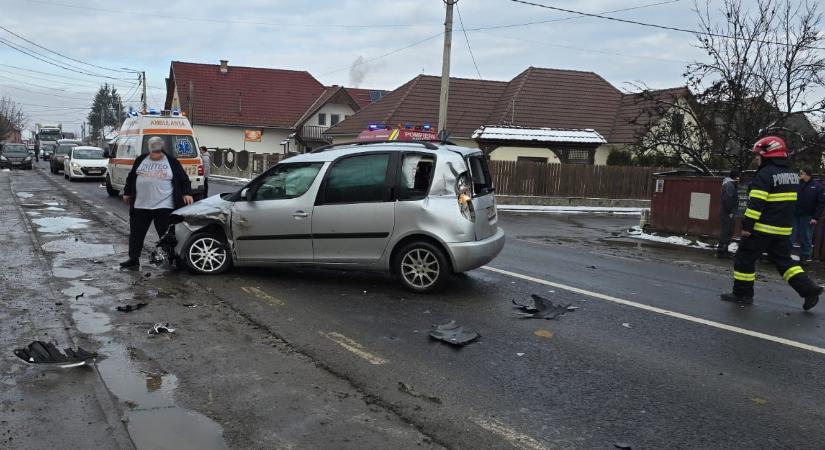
[419, 210]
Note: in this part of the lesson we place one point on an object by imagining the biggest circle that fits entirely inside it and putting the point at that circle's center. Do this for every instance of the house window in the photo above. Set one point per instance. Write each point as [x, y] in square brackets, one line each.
[334, 119]
[531, 159]
[322, 119]
[578, 157]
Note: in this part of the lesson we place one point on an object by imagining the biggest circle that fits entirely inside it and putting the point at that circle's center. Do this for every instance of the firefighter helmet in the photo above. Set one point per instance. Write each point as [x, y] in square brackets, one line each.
[771, 147]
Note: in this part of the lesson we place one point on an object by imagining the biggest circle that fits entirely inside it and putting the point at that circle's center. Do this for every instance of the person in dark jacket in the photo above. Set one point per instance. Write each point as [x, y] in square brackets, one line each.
[810, 204]
[767, 225]
[728, 205]
[156, 186]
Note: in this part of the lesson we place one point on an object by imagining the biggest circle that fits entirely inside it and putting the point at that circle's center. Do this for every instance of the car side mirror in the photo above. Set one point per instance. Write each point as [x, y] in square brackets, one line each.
[245, 193]
[106, 154]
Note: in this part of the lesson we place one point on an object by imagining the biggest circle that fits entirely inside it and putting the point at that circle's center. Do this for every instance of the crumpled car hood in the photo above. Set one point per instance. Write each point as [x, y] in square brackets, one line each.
[209, 210]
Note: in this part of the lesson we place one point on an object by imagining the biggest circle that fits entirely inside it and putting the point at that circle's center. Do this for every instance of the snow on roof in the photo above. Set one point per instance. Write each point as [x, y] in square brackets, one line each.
[567, 135]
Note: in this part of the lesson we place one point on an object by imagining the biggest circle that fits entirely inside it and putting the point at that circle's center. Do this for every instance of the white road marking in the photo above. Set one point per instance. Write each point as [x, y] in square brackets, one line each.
[262, 295]
[518, 440]
[689, 318]
[354, 347]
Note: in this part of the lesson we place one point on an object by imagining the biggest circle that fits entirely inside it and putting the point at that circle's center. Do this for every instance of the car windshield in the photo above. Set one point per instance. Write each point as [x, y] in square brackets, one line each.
[15, 150]
[47, 148]
[88, 153]
[64, 149]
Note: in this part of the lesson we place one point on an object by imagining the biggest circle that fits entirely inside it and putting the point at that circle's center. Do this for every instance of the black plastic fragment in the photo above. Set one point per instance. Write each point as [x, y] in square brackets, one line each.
[453, 333]
[130, 308]
[77, 297]
[39, 352]
[541, 308]
[622, 445]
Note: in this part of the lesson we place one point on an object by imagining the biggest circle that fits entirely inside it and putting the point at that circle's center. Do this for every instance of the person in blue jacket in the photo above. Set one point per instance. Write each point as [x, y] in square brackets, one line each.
[810, 204]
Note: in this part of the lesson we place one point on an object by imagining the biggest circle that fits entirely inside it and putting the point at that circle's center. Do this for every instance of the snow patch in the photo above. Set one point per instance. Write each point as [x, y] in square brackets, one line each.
[637, 233]
[25, 194]
[573, 209]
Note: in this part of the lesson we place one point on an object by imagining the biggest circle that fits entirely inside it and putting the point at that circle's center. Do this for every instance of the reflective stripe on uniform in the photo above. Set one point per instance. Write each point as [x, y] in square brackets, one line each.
[770, 229]
[741, 276]
[753, 214]
[782, 197]
[760, 194]
[792, 272]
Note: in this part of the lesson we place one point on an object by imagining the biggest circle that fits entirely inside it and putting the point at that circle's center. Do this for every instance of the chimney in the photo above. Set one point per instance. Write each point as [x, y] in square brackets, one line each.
[224, 66]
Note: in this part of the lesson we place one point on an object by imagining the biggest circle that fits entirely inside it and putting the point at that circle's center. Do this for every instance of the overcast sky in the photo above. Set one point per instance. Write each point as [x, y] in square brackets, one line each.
[325, 38]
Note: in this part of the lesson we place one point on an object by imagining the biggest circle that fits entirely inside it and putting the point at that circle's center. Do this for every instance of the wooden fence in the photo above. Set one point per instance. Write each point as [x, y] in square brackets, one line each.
[572, 180]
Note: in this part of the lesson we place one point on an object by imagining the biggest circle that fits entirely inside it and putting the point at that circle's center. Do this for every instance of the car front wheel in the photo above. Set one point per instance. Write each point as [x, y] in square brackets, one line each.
[206, 254]
[421, 267]
[110, 189]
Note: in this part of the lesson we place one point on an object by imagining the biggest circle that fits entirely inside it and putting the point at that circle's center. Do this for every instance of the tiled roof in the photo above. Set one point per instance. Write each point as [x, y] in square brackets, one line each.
[629, 123]
[247, 96]
[365, 96]
[536, 98]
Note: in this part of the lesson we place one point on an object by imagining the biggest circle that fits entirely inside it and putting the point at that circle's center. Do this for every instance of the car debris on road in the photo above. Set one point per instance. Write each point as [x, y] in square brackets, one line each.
[160, 328]
[542, 308]
[130, 308]
[453, 333]
[39, 352]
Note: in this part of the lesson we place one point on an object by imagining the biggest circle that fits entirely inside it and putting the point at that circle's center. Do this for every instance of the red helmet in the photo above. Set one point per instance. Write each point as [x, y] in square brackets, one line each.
[771, 147]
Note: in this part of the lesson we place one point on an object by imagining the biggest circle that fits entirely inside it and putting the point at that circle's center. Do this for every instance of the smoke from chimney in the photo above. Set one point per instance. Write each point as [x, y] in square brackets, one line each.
[358, 71]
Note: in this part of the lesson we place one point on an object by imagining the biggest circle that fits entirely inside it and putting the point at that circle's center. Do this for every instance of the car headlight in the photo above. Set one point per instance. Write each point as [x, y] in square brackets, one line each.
[75, 165]
[3, 158]
[28, 158]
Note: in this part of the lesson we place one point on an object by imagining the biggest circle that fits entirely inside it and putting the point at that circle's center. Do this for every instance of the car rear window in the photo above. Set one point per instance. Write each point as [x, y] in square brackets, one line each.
[182, 146]
[64, 149]
[480, 172]
[88, 153]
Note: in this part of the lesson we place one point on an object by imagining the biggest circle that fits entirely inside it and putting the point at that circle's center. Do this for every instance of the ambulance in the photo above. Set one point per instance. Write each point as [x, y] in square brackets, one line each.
[132, 141]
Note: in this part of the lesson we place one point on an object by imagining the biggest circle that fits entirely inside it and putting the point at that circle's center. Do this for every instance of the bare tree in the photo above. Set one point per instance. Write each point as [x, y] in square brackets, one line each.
[763, 73]
[12, 117]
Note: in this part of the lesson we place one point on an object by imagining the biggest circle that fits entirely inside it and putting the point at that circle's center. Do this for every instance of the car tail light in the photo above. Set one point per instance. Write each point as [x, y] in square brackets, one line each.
[464, 194]
[200, 169]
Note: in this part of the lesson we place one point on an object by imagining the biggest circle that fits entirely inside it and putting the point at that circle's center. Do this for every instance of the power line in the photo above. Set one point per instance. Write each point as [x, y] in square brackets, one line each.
[653, 25]
[130, 83]
[64, 56]
[225, 21]
[50, 94]
[469, 48]
[367, 61]
[52, 61]
[562, 19]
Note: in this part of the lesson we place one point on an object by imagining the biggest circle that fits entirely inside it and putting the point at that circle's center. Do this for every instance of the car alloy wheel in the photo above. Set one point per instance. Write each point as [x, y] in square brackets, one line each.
[207, 255]
[420, 268]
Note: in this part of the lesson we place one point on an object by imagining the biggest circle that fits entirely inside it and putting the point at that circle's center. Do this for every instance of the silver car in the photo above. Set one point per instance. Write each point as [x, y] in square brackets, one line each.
[421, 211]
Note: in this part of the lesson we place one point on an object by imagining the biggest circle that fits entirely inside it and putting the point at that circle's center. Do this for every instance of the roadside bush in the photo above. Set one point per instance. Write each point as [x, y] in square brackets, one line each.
[619, 158]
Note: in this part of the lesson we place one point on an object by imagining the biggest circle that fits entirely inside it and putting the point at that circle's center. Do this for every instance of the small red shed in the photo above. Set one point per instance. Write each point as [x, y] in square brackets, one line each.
[685, 203]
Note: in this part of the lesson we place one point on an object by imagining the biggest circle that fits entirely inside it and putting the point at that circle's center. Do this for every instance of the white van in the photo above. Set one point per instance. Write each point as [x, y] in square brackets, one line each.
[132, 141]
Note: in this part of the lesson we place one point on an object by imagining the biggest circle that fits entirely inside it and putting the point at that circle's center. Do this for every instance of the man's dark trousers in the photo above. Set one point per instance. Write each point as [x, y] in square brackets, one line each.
[727, 223]
[139, 222]
[779, 253]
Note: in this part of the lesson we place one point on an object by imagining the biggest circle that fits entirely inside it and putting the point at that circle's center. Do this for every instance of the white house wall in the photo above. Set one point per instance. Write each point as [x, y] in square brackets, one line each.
[329, 109]
[213, 136]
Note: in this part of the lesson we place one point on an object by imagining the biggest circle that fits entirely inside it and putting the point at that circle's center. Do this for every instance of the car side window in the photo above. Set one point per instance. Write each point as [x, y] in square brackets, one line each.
[287, 181]
[358, 179]
[416, 175]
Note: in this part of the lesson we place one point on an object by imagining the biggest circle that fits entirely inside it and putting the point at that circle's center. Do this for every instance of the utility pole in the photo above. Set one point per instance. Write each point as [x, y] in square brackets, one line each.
[143, 94]
[445, 67]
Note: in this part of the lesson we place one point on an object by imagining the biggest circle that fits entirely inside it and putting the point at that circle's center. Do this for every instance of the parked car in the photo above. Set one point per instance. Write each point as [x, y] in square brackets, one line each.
[63, 148]
[85, 162]
[46, 151]
[419, 210]
[15, 155]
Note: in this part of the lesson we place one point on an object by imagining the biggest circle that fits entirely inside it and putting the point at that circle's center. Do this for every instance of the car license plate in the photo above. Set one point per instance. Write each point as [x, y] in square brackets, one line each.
[94, 171]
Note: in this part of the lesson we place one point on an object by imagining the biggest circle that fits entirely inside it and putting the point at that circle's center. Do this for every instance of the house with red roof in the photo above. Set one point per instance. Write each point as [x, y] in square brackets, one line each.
[546, 115]
[259, 109]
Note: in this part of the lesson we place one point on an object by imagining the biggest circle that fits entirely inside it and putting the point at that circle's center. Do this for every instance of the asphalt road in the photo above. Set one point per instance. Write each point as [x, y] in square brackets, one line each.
[650, 358]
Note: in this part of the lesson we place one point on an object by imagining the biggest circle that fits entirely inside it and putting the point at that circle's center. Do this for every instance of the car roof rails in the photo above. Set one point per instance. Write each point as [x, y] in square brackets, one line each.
[426, 144]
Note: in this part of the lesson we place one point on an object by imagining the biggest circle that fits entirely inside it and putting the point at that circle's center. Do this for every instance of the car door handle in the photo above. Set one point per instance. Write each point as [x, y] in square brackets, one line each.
[299, 214]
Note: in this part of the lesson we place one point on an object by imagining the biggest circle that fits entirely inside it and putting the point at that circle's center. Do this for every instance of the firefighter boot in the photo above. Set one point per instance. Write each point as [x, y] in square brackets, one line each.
[734, 299]
[813, 299]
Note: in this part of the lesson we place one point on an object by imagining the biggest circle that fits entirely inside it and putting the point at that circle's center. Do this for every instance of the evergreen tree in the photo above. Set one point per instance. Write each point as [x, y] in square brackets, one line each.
[106, 112]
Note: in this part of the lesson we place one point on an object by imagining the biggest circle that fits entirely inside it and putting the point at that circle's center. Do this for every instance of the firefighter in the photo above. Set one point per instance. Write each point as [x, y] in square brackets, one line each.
[767, 224]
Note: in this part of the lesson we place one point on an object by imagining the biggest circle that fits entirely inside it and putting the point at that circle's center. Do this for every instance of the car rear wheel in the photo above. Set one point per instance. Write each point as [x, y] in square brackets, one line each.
[206, 254]
[421, 267]
[111, 190]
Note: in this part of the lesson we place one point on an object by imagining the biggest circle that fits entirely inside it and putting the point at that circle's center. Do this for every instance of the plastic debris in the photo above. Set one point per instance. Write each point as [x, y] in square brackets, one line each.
[86, 279]
[622, 445]
[627, 325]
[453, 333]
[190, 305]
[130, 308]
[542, 308]
[77, 297]
[519, 354]
[39, 352]
[160, 328]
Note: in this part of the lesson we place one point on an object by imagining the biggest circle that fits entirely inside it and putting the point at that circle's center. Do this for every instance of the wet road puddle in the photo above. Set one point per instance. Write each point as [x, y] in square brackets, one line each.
[63, 272]
[75, 249]
[154, 420]
[25, 195]
[53, 225]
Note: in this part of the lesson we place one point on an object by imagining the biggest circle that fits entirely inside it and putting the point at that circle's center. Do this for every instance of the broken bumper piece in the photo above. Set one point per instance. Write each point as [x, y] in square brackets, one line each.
[45, 353]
